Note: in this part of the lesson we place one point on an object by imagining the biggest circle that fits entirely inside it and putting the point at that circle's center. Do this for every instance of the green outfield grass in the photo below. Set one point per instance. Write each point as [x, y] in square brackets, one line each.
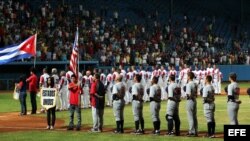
[242, 85]
[7, 104]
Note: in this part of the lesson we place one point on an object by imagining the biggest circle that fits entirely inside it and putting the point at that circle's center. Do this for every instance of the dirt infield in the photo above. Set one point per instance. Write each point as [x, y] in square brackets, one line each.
[12, 122]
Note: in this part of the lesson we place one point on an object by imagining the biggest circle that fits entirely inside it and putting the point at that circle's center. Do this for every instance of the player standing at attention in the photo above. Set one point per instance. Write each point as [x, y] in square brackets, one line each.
[63, 91]
[209, 105]
[155, 104]
[118, 93]
[216, 76]
[108, 86]
[191, 94]
[56, 81]
[233, 103]
[172, 116]
[43, 83]
[137, 104]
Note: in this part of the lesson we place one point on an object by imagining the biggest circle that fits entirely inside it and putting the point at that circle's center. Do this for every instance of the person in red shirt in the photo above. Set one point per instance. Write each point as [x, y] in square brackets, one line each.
[32, 80]
[97, 100]
[75, 103]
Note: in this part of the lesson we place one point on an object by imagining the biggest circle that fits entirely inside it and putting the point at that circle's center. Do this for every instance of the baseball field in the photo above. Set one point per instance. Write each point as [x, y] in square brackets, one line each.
[32, 127]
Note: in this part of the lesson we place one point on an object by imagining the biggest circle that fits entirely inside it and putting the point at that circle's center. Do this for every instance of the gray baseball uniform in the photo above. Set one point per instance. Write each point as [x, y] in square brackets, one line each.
[155, 106]
[232, 104]
[172, 115]
[191, 91]
[137, 105]
[118, 93]
[209, 108]
[208, 104]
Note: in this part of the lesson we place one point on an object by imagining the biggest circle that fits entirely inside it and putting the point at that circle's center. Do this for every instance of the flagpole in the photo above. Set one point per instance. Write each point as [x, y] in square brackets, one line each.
[79, 98]
[35, 62]
[35, 51]
[77, 53]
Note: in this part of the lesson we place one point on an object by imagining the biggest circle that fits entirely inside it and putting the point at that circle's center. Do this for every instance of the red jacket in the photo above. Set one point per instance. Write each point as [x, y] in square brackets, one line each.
[74, 92]
[92, 94]
[32, 83]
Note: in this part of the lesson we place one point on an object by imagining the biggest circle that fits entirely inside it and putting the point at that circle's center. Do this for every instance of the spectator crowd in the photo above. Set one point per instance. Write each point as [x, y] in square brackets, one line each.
[114, 41]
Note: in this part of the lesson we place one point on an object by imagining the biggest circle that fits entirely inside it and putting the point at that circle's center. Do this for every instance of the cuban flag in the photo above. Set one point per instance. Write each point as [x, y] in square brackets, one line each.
[25, 49]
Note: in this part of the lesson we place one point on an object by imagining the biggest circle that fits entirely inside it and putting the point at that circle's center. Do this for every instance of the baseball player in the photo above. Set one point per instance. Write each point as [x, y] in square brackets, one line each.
[155, 104]
[102, 76]
[43, 79]
[233, 102]
[203, 76]
[69, 73]
[118, 93]
[108, 86]
[130, 76]
[216, 76]
[56, 81]
[172, 71]
[163, 84]
[43, 83]
[63, 91]
[219, 82]
[210, 70]
[197, 80]
[184, 78]
[155, 72]
[86, 80]
[172, 116]
[209, 105]
[180, 79]
[143, 74]
[191, 94]
[147, 85]
[137, 104]
[122, 70]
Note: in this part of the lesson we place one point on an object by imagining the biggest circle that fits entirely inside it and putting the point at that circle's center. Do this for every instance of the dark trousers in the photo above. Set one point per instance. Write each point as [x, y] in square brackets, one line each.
[72, 109]
[33, 102]
[22, 99]
[51, 115]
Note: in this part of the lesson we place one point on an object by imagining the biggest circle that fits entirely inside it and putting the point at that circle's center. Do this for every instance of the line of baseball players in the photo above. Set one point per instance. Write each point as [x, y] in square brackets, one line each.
[108, 79]
[137, 87]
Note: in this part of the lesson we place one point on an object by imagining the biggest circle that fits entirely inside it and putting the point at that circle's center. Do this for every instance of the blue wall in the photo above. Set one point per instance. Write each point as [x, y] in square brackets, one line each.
[242, 71]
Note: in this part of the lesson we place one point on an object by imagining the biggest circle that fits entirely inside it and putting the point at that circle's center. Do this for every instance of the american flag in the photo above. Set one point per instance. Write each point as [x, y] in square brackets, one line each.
[74, 56]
